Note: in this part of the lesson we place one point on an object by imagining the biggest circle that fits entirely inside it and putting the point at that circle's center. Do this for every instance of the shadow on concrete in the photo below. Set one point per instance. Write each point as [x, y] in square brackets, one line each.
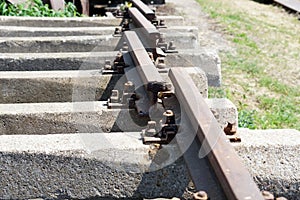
[46, 176]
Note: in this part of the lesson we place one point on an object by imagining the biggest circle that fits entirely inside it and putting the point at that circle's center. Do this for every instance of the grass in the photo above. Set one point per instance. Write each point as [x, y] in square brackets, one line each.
[262, 76]
[36, 8]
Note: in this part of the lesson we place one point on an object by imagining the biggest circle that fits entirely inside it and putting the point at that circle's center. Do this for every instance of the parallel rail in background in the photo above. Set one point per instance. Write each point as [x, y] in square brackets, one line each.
[232, 175]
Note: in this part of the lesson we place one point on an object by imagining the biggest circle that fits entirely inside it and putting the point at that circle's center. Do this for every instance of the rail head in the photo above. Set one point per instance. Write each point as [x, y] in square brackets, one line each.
[141, 59]
[233, 176]
[143, 23]
[144, 9]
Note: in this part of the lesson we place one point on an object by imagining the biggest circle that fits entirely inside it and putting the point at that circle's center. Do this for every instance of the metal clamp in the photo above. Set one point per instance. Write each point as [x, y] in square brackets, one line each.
[167, 131]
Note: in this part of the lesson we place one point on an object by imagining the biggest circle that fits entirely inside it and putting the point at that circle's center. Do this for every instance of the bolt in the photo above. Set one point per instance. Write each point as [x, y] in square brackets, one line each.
[107, 65]
[267, 195]
[125, 25]
[170, 117]
[172, 46]
[119, 13]
[160, 63]
[230, 129]
[118, 57]
[168, 113]
[117, 31]
[201, 195]
[162, 22]
[114, 98]
[151, 129]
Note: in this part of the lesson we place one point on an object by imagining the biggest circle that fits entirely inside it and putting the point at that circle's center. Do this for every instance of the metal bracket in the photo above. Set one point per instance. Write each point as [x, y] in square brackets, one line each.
[166, 133]
[118, 32]
[117, 67]
[167, 48]
[159, 23]
[127, 100]
[156, 87]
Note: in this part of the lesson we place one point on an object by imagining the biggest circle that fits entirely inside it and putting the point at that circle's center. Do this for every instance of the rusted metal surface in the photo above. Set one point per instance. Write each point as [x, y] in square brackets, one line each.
[144, 9]
[142, 61]
[291, 4]
[231, 132]
[162, 134]
[144, 26]
[232, 175]
[151, 80]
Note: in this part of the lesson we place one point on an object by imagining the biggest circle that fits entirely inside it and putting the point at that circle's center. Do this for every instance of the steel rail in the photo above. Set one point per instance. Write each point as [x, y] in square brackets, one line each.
[142, 61]
[144, 9]
[149, 75]
[232, 175]
[144, 26]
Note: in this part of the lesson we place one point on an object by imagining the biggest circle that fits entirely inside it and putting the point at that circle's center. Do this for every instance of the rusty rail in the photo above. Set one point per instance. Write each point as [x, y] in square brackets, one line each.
[144, 27]
[234, 178]
[144, 9]
[149, 75]
[142, 61]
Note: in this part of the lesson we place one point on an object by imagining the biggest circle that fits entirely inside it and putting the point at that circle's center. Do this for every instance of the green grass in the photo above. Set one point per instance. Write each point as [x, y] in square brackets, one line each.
[36, 8]
[263, 100]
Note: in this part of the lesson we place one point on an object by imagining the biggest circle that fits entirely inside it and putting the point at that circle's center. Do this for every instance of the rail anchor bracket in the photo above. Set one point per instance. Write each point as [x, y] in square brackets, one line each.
[117, 67]
[125, 100]
[163, 133]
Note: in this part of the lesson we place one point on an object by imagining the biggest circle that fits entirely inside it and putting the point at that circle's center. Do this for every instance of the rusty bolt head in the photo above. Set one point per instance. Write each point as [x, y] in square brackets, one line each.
[162, 22]
[114, 98]
[267, 195]
[151, 129]
[107, 65]
[117, 31]
[172, 46]
[230, 129]
[160, 63]
[151, 125]
[201, 195]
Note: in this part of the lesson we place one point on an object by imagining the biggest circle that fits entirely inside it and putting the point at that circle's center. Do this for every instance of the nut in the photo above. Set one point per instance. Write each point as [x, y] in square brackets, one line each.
[201, 195]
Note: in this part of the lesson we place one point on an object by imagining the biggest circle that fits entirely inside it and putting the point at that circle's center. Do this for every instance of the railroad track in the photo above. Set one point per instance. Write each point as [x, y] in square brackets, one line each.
[119, 129]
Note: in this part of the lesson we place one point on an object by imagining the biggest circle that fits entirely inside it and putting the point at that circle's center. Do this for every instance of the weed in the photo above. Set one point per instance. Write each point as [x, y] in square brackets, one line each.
[36, 8]
[247, 119]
